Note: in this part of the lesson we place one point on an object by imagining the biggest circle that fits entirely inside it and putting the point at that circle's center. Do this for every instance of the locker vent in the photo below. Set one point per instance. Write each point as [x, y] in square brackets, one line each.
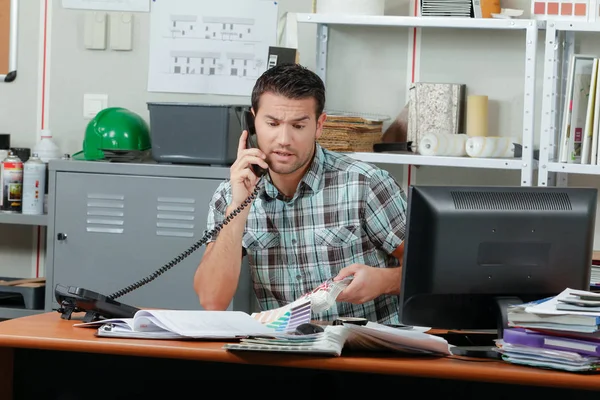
[175, 217]
[555, 201]
[105, 213]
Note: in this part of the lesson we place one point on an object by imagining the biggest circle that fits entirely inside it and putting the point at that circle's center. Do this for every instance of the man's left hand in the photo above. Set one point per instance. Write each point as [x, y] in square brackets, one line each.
[368, 283]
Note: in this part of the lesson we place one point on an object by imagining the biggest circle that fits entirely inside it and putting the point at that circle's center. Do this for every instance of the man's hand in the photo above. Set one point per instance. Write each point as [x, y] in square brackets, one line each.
[368, 283]
[243, 179]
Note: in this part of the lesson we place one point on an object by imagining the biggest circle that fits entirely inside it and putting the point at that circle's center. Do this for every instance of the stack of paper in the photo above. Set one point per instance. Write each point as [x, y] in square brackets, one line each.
[350, 133]
[330, 342]
[182, 324]
[201, 324]
[372, 337]
[446, 8]
[561, 332]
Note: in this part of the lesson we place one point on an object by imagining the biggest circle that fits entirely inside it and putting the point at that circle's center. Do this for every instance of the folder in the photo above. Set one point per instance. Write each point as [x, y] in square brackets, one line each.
[518, 336]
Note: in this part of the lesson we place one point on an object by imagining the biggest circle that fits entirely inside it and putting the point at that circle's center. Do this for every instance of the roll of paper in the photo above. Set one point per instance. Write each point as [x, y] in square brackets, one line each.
[491, 147]
[443, 144]
[352, 7]
[477, 115]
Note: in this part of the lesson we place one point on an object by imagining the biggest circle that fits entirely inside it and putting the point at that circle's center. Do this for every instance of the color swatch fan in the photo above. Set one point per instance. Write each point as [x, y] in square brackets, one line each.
[286, 318]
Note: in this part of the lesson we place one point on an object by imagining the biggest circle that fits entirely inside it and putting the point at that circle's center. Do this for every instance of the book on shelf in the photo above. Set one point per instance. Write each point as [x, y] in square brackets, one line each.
[578, 143]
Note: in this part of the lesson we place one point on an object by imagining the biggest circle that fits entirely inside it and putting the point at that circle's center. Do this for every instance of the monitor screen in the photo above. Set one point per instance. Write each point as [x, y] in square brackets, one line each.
[470, 250]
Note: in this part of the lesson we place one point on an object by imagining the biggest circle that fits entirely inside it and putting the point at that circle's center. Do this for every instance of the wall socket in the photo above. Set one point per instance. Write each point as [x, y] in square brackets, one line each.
[93, 104]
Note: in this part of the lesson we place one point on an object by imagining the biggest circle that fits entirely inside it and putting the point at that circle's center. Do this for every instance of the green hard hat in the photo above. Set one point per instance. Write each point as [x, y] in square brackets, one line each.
[114, 129]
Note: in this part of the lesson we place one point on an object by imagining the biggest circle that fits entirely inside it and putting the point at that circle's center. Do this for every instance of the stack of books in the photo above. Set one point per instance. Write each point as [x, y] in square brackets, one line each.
[561, 332]
[595, 271]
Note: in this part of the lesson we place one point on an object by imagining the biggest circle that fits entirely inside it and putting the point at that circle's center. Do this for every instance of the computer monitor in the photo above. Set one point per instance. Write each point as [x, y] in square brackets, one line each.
[471, 251]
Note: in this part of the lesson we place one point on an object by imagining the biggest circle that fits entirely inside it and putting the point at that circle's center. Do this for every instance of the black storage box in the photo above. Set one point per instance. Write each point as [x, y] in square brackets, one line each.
[191, 133]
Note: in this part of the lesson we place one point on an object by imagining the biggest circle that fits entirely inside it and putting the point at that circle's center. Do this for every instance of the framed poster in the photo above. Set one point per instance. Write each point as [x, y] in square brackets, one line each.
[8, 39]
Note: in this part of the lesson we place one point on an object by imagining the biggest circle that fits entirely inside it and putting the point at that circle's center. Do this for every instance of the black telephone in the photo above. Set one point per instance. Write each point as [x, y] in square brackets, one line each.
[96, 306]
[252, 141]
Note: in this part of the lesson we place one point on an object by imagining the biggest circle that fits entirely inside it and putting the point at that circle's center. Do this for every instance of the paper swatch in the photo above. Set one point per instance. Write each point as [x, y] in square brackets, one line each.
[286, 318]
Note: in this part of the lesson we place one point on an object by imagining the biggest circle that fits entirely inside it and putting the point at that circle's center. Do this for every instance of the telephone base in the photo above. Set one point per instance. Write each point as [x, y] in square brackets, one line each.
[73, 299]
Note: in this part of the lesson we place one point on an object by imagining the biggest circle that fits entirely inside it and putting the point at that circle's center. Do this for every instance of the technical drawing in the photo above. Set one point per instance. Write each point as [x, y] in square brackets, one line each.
[221, 28]
[183, 25]
[204, 46]
[213, 63]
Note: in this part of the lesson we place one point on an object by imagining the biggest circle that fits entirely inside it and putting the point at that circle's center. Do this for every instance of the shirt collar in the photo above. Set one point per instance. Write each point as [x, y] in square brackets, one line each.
[312, 178]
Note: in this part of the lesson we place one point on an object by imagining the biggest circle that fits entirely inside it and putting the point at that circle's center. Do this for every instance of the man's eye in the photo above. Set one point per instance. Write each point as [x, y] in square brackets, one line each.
[299, 126]
[272, 123]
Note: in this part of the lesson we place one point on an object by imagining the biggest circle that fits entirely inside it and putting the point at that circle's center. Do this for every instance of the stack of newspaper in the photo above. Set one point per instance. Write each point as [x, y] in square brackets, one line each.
[561, 332]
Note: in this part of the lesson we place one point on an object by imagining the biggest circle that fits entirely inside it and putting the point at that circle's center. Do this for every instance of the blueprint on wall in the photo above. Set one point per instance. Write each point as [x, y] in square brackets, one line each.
[208, 46]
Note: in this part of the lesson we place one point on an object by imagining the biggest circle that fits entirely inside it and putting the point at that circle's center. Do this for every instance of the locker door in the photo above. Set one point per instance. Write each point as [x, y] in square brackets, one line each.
[120, 229]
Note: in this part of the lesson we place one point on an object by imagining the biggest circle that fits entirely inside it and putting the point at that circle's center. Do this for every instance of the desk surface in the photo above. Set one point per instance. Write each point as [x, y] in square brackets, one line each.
[49, 332]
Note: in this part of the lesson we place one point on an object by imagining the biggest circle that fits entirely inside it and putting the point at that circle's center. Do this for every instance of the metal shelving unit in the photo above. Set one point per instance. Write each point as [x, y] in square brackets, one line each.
[559, 45]
[10, 313]
[527, 163]
[439, 161]
[20, 219]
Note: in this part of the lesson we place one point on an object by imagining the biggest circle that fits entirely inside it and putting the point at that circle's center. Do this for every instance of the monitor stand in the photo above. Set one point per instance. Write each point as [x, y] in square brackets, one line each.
[487, 351]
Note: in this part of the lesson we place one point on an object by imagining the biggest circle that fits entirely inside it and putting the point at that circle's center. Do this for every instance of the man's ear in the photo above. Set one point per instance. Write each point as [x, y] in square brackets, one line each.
[320, 124]
[252, 111]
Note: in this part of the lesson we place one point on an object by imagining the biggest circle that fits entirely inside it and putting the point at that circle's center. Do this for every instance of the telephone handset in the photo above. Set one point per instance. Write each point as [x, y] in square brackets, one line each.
[252, 142]
[95, 305]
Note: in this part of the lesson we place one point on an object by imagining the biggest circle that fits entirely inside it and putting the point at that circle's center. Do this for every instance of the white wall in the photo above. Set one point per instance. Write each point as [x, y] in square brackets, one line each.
[19, 109]
[367, 71]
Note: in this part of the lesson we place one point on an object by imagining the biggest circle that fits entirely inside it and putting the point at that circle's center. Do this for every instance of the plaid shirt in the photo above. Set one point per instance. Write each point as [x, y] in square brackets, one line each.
[343, 212]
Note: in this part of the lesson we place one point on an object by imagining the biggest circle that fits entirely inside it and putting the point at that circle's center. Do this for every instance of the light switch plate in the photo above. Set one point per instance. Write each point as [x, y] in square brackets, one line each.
[94, 36]
[93, 104]
[121, 31]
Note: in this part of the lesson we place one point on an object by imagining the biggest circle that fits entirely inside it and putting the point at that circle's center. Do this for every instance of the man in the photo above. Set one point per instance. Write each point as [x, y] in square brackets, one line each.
[320, 214]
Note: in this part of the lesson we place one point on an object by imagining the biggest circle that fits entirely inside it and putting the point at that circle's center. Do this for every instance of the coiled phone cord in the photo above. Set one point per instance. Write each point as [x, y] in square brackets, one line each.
[190, 250]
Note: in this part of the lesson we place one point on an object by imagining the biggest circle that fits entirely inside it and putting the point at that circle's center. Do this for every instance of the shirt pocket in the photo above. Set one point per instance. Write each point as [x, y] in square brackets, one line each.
[341, 236]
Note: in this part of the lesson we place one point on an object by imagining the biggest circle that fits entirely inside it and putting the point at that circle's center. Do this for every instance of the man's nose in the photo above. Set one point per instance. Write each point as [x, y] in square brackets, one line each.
[284, 137]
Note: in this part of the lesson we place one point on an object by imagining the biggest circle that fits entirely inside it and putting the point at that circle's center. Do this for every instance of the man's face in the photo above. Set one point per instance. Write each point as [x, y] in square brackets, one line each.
[286, 131]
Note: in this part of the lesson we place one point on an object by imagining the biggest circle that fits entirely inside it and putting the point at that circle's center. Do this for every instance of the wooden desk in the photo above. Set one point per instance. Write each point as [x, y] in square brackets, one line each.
[49, 332]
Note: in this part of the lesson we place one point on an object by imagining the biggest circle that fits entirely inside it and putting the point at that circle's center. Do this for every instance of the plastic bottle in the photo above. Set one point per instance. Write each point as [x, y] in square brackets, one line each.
[46, 149]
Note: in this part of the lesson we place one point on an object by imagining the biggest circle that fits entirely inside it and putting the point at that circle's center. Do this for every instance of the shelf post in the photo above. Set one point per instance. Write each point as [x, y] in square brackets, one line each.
[531, 34]
[568, 49]
[549, 100]
[322, 39]
[559, 47]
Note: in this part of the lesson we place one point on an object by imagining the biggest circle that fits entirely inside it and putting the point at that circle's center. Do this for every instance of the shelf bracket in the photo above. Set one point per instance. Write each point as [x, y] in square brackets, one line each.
[322, 39]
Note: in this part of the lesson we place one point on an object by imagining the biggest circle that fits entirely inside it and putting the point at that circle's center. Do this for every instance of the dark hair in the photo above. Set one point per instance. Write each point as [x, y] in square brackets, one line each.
[292, 81]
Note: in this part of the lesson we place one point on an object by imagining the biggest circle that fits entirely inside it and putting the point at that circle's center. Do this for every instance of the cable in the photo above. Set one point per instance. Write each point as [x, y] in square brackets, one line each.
[189, 251]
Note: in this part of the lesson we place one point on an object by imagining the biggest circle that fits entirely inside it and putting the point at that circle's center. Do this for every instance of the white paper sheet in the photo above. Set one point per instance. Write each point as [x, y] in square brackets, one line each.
[109, 5]
[191, 324]
[208, 46]
[549, 307]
